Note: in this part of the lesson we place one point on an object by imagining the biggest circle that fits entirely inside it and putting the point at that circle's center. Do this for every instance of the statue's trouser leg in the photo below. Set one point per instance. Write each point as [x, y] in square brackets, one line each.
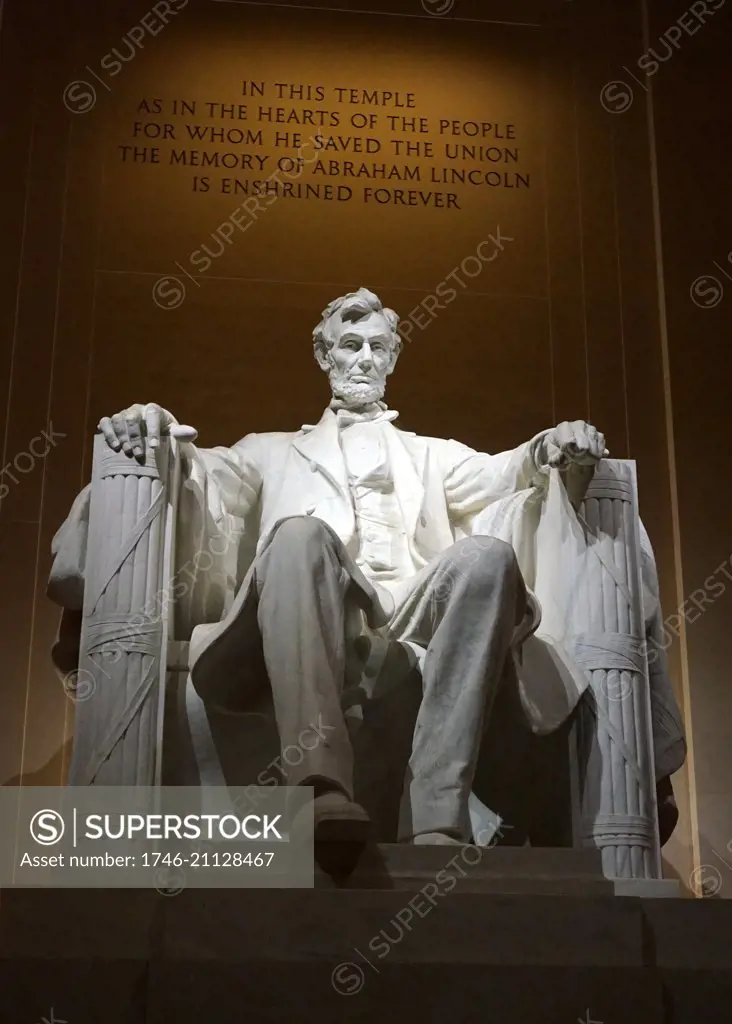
[468, 615]
[302, 584]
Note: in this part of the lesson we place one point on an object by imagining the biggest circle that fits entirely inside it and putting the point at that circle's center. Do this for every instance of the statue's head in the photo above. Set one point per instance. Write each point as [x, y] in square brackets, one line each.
[357, 344]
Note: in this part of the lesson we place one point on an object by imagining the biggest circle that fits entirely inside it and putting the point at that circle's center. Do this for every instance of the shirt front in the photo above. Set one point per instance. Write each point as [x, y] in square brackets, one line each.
[383, 546]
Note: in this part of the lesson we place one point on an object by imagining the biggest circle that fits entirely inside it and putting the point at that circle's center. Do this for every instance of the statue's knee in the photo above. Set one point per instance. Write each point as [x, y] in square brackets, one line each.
[298, 533]
[486, 559]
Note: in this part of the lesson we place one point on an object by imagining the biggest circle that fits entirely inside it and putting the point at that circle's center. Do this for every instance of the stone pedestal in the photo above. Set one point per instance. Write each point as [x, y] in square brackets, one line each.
[408, 937]
[506, 870]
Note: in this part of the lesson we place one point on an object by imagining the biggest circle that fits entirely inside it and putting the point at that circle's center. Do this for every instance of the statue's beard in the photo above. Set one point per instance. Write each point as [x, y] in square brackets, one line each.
[355, 394]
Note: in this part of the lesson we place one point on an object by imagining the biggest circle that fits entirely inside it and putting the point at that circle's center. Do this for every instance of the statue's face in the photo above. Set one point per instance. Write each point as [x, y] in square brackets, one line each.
[361, 359]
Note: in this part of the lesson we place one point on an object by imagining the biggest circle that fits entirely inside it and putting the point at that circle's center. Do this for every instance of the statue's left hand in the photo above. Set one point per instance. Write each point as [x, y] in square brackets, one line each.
[575, 442]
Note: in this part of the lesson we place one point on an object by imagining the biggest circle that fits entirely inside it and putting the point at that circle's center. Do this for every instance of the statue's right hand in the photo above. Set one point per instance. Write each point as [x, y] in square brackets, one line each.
[128, 429]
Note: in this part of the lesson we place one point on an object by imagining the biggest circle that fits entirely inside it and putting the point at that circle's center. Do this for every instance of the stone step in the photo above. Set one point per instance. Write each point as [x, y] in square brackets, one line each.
[508, 870]
[268, 956]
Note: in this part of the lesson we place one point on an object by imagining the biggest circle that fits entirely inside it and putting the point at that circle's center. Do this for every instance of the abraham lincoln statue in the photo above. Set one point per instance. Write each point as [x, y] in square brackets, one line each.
[355, 530]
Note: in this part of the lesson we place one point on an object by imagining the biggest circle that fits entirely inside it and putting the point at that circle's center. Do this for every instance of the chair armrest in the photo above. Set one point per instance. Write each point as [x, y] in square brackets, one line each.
[127, 614]
[618, 810]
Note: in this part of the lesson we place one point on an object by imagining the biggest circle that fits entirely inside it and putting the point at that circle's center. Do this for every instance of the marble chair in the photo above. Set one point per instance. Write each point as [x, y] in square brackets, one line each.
[139, 721]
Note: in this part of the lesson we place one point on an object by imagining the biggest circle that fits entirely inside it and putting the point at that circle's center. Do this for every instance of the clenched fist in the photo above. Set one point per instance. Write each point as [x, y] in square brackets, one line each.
[576, 443]
[128, 429]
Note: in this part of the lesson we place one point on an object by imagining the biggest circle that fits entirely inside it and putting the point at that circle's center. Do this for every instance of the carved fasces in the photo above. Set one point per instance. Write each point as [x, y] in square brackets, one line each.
[618, 791]
[125, 615]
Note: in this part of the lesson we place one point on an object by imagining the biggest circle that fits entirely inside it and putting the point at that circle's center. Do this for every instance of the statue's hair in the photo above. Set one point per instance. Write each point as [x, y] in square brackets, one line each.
[354, 306]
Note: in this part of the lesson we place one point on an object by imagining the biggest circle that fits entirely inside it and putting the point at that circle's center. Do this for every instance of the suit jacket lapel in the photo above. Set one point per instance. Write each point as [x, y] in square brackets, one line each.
[321, 446]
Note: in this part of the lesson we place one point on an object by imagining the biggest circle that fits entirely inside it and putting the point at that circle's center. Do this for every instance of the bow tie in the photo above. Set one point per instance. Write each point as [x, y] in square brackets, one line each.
[377, 414]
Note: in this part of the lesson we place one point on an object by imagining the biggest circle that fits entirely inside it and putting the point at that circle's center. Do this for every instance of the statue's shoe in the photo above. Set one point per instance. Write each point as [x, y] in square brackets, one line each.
[340, 830]
[336, 819]
[436, 839]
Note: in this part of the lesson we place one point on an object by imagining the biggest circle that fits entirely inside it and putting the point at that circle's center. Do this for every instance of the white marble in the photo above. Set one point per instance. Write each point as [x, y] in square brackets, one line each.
[396, 500]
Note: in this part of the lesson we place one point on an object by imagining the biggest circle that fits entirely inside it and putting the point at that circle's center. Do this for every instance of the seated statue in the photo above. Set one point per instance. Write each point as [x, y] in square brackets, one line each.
[356, 531]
